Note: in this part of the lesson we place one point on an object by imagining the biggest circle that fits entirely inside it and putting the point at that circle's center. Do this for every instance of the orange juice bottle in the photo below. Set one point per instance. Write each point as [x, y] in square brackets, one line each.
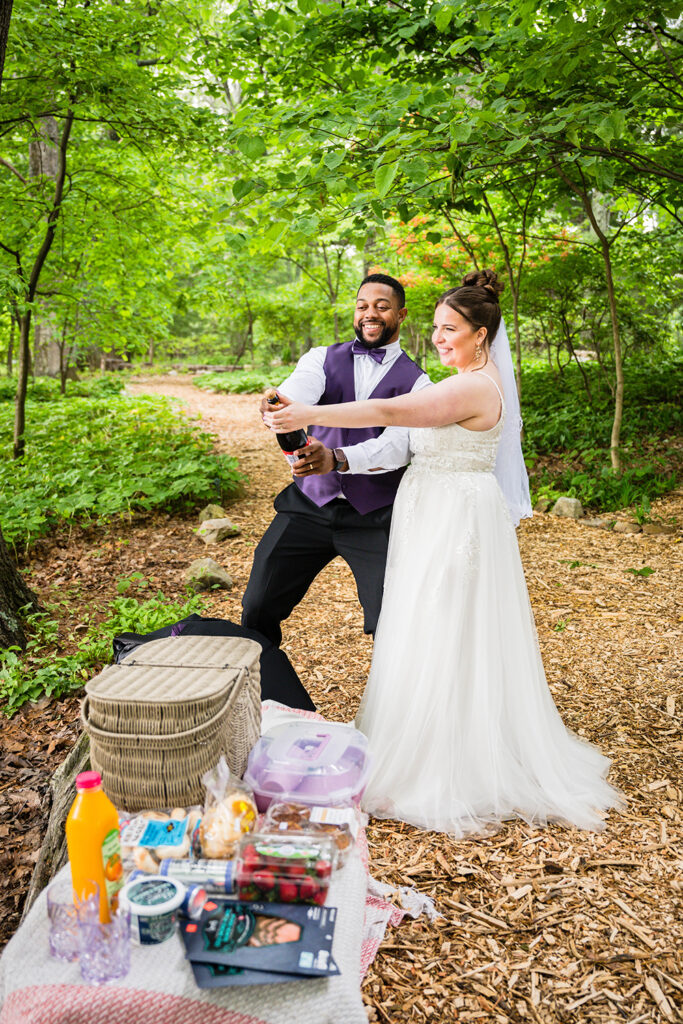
[93, 842]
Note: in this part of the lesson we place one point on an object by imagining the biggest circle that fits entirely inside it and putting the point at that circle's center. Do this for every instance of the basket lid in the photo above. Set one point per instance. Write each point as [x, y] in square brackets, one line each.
[180, 669]
[197, 652]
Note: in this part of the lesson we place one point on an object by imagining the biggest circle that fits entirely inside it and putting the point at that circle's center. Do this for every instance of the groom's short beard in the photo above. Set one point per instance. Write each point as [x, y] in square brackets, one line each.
[384, 338]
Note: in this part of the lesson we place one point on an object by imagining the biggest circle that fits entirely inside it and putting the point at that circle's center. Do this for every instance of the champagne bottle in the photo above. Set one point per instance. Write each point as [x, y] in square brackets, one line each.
[292, 441]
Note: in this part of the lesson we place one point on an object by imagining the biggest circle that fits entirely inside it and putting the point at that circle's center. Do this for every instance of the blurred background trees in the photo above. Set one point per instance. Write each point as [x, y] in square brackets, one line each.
[208, 184]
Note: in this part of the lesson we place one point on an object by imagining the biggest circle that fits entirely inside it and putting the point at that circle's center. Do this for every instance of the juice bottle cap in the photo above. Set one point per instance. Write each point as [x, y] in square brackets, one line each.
[88, 780]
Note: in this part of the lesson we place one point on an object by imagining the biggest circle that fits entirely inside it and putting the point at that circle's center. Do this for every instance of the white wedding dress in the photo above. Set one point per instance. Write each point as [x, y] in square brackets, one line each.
[462, 729]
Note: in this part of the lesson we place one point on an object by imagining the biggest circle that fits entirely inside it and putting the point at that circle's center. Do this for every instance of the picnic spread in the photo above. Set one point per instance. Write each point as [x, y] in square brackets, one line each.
[218, 867]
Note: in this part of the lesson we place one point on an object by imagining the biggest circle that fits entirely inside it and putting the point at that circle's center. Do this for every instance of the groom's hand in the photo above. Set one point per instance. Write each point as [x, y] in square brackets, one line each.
[314, 460]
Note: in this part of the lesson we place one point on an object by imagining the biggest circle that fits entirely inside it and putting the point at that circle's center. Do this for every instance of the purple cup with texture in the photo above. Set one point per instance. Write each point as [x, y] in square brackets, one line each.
[66, 910]
[104, 952]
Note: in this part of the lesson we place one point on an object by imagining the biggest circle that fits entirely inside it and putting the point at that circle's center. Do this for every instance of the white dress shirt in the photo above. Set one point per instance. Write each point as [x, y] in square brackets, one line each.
[306, 384]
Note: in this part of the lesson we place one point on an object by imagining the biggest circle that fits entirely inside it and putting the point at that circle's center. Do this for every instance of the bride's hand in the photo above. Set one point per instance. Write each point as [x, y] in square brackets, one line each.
[287, 416]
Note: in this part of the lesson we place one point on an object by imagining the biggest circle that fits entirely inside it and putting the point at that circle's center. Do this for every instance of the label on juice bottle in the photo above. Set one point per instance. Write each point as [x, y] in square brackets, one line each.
[113, 867]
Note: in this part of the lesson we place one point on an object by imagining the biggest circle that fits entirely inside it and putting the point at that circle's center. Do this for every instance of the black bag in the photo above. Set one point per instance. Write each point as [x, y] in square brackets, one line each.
[279, 681]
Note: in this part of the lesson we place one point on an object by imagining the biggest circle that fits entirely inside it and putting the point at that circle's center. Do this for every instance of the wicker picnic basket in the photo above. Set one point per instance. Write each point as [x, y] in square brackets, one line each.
[162, 718]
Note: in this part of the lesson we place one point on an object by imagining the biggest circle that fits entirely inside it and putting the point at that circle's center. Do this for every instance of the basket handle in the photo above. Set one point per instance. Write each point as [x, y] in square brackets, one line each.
[93, 730]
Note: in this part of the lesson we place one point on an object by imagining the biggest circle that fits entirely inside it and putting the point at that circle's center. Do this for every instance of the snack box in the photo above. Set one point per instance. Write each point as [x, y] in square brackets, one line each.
[340, 824]
[280, 867]
[309, 762]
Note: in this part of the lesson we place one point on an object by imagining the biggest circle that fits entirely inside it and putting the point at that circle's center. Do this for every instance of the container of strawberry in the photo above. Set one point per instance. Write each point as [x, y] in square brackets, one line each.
[284, 868]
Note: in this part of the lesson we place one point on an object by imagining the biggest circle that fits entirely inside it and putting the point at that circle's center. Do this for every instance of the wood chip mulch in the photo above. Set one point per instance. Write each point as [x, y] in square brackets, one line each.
[537, 925]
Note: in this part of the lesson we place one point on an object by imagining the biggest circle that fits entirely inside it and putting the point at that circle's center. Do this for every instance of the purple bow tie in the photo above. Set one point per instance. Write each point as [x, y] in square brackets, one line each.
[377, 354]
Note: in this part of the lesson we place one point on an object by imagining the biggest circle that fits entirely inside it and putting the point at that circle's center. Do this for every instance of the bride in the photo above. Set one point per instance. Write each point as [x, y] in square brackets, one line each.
[462, 729]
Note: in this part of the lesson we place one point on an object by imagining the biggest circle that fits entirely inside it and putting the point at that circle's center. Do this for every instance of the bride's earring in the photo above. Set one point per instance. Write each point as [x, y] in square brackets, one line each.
[477, 352]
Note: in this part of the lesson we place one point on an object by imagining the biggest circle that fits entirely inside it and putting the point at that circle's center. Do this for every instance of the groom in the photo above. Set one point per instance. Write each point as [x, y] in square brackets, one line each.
[345, 481]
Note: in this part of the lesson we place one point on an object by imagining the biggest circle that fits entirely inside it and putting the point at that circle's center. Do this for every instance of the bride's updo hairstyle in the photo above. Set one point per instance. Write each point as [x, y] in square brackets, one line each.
[477, 301]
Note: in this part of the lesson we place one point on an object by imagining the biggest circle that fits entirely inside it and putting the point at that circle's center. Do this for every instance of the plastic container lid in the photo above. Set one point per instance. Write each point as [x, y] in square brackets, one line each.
[88, 780]
[310, 762]
[152, 896]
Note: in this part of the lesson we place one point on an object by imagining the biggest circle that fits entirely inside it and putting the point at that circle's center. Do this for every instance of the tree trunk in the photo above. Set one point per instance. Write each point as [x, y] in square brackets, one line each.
[5, 17]
[587, 204]
[618, 366]
[22, 383]
[10, 344]
[14, 594]
[32, 284]
[62, 790]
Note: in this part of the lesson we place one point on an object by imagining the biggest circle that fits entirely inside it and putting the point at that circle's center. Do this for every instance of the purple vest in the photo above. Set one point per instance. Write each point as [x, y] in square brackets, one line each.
[364, 491]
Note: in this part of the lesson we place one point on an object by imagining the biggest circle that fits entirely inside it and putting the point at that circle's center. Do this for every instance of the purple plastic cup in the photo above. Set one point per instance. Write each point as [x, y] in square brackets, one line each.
[104, 951]
[66, 910]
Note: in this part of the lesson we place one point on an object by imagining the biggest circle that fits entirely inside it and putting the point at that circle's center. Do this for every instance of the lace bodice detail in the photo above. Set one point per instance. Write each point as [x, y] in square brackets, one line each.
[454, 449]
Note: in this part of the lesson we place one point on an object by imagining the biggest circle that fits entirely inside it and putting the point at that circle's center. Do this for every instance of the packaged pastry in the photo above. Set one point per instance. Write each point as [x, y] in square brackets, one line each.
[340, 824]
[229, 813]
[284, 868]
[149, 837]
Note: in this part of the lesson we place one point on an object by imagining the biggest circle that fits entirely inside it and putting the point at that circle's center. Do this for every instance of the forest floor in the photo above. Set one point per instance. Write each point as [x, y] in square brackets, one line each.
[537, 925]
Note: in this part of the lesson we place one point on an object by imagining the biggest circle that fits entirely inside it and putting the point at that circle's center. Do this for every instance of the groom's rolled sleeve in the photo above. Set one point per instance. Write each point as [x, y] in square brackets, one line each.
[389, 451]
[306, 382]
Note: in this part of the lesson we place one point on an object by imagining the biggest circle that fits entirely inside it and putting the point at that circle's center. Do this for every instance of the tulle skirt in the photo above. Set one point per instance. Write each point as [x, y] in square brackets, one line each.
[462, 728]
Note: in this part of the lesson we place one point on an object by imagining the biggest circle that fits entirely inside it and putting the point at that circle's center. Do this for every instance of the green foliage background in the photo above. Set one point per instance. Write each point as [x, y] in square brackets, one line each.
[90, 459]
[231, 172]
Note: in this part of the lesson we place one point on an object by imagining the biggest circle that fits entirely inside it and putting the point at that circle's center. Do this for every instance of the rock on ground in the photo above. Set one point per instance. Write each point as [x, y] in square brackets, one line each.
[570, 507]
[212, 512]
[205, 573]
[213, 531]
[622, 526]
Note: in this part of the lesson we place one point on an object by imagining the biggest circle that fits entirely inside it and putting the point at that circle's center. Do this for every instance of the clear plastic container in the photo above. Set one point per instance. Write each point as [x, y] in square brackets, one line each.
[311, 763]
[283, 868]
[340, 824]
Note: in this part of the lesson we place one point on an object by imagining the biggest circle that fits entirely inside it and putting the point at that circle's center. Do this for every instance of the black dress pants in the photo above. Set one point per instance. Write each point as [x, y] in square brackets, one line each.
[299, 543]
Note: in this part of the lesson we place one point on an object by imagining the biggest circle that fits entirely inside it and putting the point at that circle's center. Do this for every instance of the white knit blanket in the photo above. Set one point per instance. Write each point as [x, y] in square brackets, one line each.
[160, 989]
[36, 989]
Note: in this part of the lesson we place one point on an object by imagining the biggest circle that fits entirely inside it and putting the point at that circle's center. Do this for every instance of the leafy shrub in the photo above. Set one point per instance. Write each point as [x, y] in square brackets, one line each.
[558, 414]
[40, 673]
[93, 458]
[47, 389]
[243, 382]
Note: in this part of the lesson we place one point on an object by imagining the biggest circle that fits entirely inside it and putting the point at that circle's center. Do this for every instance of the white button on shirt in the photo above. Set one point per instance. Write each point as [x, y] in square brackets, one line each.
[306, 384]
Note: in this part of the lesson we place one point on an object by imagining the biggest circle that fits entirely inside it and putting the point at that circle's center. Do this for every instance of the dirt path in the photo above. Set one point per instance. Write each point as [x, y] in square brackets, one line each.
[538, 925]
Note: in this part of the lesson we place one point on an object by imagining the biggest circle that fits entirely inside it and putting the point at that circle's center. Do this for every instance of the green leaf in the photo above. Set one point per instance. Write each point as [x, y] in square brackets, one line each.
[308, 225]
[645, 571]
[334, 159]
[443, 18]
[611, 127]
[516, 145]
[384, 177]
[408, 31]
[307, 6]
[337, 186]
[461, 131]
[252, 146]
[242, 187]
[605, 130]
[604, 175]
